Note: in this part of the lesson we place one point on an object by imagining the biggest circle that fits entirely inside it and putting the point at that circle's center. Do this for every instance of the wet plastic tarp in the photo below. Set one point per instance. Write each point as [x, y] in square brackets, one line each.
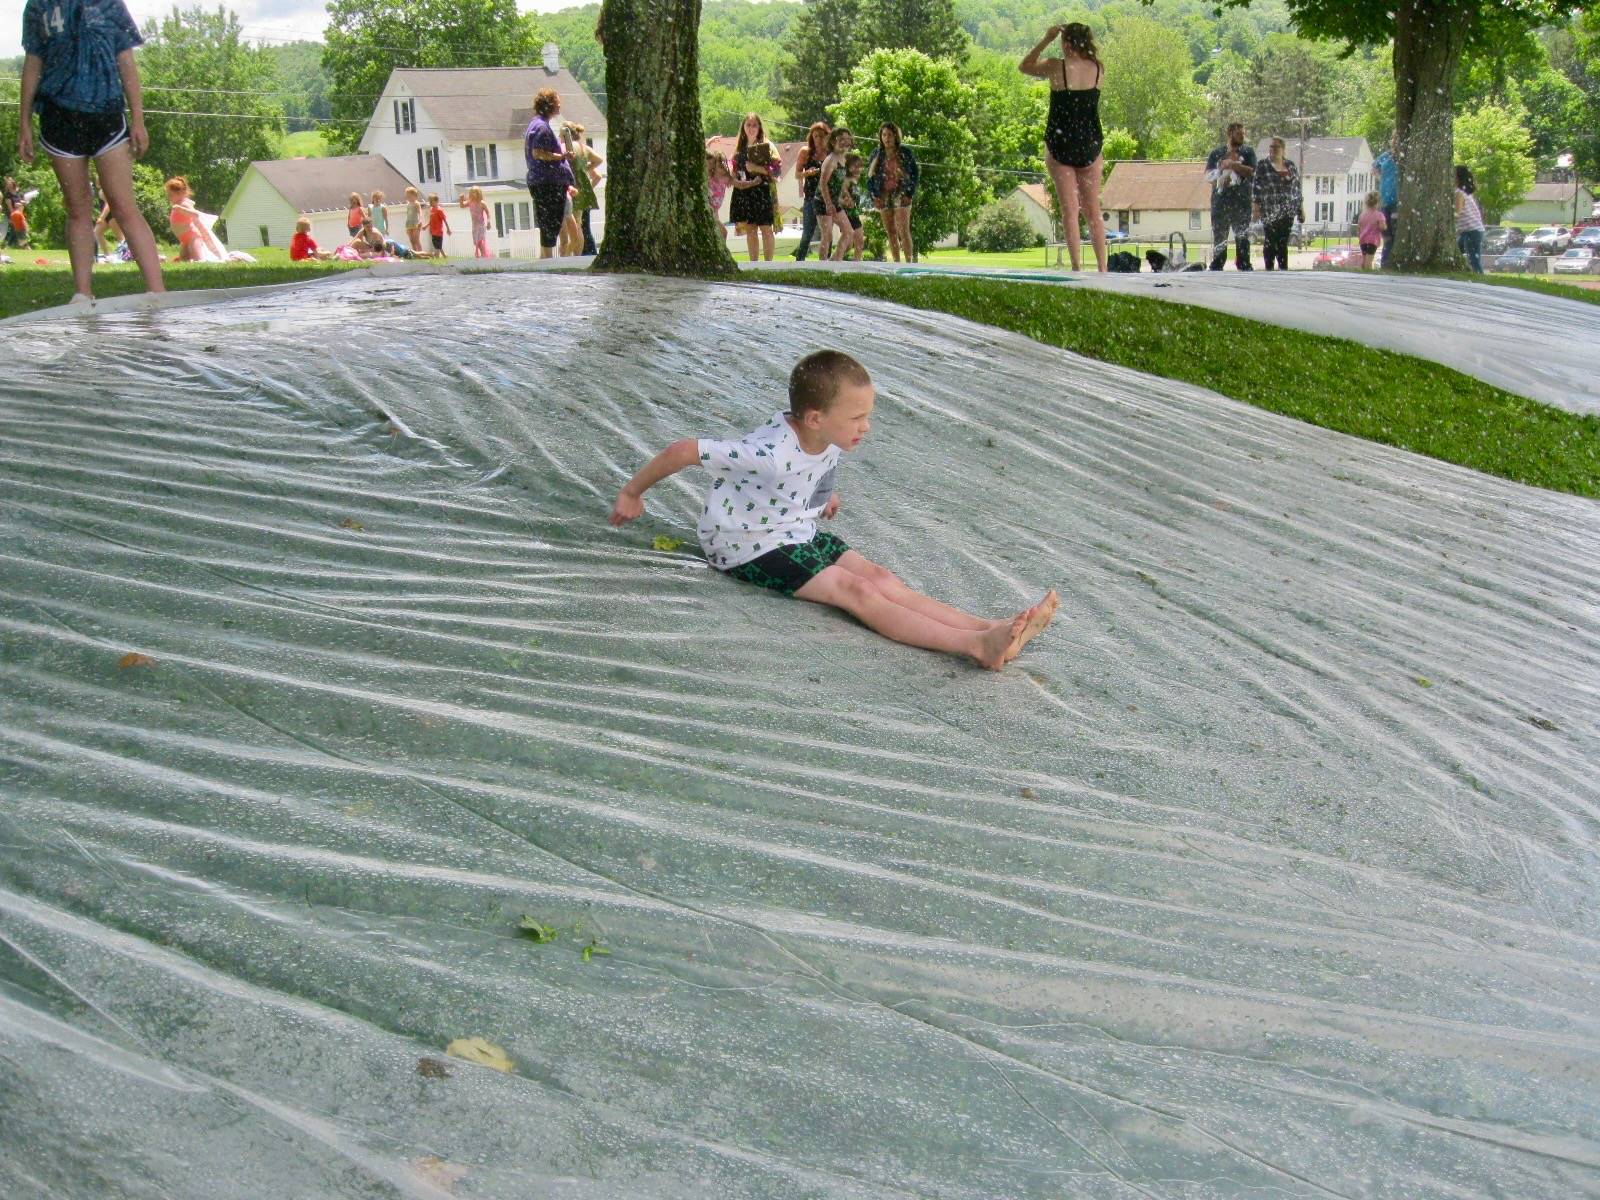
[1269, 870]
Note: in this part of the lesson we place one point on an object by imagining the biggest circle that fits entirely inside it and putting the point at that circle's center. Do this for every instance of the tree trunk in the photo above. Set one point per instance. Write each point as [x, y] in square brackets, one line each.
[1427, 46]
[657, 217]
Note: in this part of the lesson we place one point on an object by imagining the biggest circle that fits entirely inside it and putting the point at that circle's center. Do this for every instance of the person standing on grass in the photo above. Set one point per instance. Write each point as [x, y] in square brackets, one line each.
[1388, 168]
[809, 165]
[1231, 169]
[1369, 230]
[1072, 133]
[80, 76]
[549, 172]
[586, 173]
[831, 182]
[1469, 220]
[1279, 202]
[755, 166]
[438, 224]
[892, 183]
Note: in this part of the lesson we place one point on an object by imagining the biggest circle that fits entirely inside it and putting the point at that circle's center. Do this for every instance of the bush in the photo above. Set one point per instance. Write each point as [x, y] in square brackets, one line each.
[1000, 227]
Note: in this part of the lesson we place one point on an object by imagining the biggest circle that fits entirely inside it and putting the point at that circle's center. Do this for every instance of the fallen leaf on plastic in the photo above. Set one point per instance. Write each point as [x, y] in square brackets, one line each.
[1544, 723]
[438, 1172]
[667, 544]
[1422, 682]
[529, 928]
[351, 523]
[432, 1068]
[1029, 794]
[478, 1050]
[134, 659]
[592, 949]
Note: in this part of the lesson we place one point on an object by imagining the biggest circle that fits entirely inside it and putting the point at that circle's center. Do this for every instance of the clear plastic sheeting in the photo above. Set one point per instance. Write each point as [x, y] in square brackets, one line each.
[1269, 870]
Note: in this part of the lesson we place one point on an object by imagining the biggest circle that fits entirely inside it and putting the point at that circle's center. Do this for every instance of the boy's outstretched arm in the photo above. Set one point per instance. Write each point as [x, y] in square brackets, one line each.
[630, 500]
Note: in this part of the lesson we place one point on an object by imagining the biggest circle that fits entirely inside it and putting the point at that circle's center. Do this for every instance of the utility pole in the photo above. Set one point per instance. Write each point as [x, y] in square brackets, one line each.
[1304, 120]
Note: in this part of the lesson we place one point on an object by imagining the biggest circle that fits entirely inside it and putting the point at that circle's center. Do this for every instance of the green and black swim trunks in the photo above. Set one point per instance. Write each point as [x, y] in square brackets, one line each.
[789, 568]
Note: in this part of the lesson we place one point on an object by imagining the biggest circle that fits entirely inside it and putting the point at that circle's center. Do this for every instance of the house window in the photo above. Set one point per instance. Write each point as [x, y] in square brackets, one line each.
[1194, 218]
[1352, 210]
[427, 165]
[1325, 211]
[1324, 185]
[405, 116]
[510, 215]
[482, 162]
[1136, 216]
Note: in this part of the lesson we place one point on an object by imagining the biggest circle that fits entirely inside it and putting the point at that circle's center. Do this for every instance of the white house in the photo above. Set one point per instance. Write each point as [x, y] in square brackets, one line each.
[448, 128]
[1149, 201]
[271, 195]
[1335, 176]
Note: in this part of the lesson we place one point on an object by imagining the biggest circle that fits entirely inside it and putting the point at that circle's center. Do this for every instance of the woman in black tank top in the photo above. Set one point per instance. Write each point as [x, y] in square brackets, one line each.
[1072, 134]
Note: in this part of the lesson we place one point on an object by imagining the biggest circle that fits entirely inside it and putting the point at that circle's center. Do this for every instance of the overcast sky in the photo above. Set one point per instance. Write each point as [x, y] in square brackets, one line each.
[286, 19]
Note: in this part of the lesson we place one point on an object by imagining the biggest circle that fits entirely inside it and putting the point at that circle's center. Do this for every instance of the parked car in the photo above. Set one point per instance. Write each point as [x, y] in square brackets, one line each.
[1497, 239]
[1116, 235]
[1514, 261]
[1337, 258]
[1589, 236]
[1549, 239]
[1579, 260]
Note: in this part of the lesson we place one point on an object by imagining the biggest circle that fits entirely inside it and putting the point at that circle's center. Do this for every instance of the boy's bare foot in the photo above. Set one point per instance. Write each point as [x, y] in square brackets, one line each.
[1004, 640]
[1033, 621]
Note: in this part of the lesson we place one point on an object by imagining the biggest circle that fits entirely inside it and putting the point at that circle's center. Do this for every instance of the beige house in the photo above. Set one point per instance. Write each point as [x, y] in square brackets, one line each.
[1149, 201]
[1551, 204]
[1034, 201]
[271, 195]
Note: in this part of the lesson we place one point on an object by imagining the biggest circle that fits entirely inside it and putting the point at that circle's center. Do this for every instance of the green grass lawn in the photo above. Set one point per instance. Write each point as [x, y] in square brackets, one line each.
[306, 143]
[1374, 394]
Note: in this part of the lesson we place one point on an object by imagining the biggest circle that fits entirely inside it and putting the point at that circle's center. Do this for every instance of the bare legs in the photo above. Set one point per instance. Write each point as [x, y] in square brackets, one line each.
[874, 596]
[900, 222]
[116, 178]
[1078, 190]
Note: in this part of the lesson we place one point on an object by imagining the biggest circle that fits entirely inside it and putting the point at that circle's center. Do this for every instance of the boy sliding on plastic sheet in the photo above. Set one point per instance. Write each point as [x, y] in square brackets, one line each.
[768, 488]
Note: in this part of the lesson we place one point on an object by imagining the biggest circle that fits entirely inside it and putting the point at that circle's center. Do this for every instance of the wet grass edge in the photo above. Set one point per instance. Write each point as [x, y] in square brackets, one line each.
[1382, 396]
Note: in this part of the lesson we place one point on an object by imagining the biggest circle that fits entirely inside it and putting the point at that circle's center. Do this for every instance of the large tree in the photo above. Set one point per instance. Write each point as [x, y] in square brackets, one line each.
[926, 25]
[819, 59]
[657, 218]
[1430, 37]
[1148, 88]
[207, 114]
[367, 39]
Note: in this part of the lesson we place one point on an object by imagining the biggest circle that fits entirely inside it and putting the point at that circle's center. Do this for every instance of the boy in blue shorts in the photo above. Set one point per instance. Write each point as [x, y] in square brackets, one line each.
[767, 489]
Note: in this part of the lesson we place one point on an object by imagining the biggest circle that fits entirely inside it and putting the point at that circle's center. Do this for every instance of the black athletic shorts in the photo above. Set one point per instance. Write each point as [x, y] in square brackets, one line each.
[65, 133]
[789, 568]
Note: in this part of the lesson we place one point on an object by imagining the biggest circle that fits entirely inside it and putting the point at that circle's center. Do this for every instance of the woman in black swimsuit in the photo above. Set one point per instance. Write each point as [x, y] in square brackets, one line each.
[1072, 134]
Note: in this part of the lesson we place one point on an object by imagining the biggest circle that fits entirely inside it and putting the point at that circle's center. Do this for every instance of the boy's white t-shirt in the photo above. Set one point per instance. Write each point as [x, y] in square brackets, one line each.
[765, 492]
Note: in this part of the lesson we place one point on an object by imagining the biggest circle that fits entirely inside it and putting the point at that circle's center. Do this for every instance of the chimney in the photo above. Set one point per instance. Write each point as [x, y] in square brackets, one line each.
[552, 57]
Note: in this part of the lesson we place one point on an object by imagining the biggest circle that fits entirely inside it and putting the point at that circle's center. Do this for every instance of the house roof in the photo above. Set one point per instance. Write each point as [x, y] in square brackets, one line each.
[492, 103]
[789, 152]
[1323, 155]
[1037, 193]
[1157, 186]
[1550, 193]
[322, 184]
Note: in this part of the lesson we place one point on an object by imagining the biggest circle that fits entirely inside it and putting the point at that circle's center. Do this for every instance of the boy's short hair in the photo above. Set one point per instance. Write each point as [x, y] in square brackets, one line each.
[816, 379]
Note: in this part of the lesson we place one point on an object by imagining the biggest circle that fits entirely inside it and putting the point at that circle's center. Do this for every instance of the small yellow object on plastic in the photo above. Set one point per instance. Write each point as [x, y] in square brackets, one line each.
[477, 1050]
[666, 543]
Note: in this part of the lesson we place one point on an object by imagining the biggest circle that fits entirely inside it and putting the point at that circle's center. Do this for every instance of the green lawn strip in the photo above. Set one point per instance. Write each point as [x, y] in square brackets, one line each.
[1375, 394]
[24, 289]
[1539, 284]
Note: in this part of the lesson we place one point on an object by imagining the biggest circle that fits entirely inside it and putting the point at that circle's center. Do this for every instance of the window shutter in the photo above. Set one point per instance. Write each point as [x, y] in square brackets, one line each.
[471, 173]
[494, 163]
[396, 116]
[422, 172]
